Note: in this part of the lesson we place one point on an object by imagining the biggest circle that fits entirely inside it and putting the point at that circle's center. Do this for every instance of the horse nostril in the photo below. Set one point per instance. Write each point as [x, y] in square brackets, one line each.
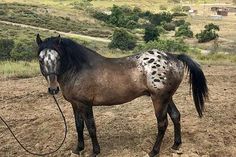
[53, 90]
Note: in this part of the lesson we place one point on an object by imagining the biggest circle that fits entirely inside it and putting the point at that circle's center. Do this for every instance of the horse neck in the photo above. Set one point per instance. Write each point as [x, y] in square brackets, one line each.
[88, 59]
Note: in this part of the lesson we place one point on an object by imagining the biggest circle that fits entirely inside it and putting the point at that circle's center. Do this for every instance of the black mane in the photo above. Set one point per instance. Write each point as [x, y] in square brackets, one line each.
[73, 55]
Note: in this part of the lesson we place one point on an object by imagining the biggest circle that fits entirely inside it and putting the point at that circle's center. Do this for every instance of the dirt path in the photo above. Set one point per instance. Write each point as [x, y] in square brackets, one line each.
[59, 32]
[126, 130]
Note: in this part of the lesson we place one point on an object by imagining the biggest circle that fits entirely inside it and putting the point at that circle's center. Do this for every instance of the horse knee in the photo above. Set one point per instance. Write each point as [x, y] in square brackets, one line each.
[175, 116]
[162, 125]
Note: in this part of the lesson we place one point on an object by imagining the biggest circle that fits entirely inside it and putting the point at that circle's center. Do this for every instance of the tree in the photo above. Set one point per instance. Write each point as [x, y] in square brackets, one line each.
[6, 46]
[208, 34]
[184, 30]
[151, 33]
[121, 39]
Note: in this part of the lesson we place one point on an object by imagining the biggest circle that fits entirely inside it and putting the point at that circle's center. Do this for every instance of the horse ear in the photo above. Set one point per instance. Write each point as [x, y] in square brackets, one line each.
[59, 39]
[38, 40]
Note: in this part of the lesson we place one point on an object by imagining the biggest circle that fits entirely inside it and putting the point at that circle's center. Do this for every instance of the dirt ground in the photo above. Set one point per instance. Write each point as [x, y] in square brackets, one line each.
[126, 130]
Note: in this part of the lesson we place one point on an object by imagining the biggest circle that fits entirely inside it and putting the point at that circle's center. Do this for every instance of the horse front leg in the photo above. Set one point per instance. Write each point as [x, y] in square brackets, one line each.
[161, 115]
[79, 122]
[90, 123]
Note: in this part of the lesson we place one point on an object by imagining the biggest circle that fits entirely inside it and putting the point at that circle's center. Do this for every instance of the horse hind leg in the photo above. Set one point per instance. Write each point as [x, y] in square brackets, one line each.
[160, 107]
[175, 117]
[90, 123]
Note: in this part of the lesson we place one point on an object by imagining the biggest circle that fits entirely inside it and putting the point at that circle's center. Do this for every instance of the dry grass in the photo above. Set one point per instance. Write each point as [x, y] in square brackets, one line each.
[19, 69]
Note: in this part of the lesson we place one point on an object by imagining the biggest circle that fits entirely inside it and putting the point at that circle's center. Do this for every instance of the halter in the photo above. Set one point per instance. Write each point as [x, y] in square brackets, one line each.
[52, 73]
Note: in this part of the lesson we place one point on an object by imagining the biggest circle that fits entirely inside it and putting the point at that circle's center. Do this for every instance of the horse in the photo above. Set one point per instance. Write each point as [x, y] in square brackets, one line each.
[89, 79]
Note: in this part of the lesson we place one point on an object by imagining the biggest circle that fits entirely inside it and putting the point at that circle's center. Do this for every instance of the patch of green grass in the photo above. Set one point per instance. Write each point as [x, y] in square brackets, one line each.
[19, 69]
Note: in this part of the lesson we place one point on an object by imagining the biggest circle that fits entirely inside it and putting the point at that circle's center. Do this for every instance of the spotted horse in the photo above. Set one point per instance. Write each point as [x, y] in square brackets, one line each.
[88, 79]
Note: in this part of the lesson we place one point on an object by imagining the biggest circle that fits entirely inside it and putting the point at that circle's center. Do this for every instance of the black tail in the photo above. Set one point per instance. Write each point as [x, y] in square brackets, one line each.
[197, 81]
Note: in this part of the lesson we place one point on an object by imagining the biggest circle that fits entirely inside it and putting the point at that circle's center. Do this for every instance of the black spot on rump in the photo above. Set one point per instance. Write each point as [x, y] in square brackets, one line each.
[151, 52]
[158, 65]
[162, 78]
[159, 56]
[156, 80]
[154, 67]
[154, 72]
[151, 60]
[145, 58]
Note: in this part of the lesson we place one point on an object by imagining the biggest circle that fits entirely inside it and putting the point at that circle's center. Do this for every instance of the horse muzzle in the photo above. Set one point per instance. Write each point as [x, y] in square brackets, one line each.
[53, 91]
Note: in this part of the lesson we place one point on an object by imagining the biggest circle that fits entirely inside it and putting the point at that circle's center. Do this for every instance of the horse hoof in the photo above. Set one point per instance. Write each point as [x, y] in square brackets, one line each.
[176, 147]
[147, 155]
[77, 154]
[94, 155]
[177, 151]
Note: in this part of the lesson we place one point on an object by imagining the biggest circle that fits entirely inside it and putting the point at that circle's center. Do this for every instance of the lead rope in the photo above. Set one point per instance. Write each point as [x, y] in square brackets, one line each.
[43, 154]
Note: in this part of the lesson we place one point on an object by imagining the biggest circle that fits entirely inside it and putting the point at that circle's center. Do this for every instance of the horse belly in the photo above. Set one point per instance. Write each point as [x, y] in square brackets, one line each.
[117, 95]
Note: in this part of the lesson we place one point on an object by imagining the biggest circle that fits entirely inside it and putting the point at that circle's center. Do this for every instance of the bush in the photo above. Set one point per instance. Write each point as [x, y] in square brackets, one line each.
[151, 33]
[177, 9]
[137, 10]
[6, 46]
[184, 31]
[175, 14]
[174, 1]
[164, 45]
[121, 39]
[179, 22]
[160, 29]
[24, 51]
[101, 16]
[169, 26]
[208, 34]
[186, 8]
[83, 5]
[163, 7]
[157, 19]
[132, 24]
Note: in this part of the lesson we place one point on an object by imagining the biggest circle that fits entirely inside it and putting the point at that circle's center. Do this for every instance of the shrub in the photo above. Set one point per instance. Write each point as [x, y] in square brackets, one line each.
[179, 22]
[175, 14]
[184, 30]
[177, 9]
[169, 26]
[83, 5]
[163, 7]
[151, 33]
[137, 10]
[186, 8]
[160, 29]
[132, 24]
[6, 46]
[24, 51]
[121, 39]
[157, 19]
[208, 34]
[164, 45]
[174, 1]
[101, 16]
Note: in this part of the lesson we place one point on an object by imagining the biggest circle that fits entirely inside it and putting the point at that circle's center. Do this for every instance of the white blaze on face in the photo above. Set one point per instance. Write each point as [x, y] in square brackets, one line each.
[49, 58]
